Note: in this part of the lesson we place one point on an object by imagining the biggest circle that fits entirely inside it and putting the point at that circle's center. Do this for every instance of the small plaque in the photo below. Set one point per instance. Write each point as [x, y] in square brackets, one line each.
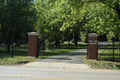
[95, 40]
[90, 40]
[93, 43]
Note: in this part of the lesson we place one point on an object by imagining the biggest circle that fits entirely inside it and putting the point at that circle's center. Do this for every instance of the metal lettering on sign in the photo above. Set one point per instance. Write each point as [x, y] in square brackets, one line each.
[93, 43]
[95, 40]
[90, 43]
[90, 40]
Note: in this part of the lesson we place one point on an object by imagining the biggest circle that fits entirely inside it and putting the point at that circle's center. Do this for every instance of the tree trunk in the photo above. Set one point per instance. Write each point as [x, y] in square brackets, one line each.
[76, 42]
[76, 39]
[8, 46]
[118, 11]
[57, 42]
[69, 42]
[4, 35]
[116, 8]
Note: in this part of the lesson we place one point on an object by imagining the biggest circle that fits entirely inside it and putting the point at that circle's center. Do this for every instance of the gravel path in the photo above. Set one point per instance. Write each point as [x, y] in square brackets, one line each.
[57, 65]
[72, 60]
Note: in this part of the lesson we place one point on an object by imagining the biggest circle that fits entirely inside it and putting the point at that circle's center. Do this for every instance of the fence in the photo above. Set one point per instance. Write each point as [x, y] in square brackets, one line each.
[109, 51]
[18, 47]
[41, 46]
[16, 42]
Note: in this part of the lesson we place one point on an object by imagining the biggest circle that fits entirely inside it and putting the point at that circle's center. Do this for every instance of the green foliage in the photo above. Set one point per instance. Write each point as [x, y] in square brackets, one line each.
[50, 18]
[18, 17]
[104, 16]
[83, 36]
[104, 20]
[56, 18]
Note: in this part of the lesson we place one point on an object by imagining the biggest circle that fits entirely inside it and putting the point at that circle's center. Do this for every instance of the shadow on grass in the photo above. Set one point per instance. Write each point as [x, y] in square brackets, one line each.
[105, 54]
[65, 53]
[60, 58]
[77, 53]
[65, 46]
[109, 57]
[16, 52]
[23, 51]
[54, 53]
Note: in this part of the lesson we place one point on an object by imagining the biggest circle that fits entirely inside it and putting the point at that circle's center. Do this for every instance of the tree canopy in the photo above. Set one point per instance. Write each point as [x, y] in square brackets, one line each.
[60, 20]
[78, 17]
[17, 17]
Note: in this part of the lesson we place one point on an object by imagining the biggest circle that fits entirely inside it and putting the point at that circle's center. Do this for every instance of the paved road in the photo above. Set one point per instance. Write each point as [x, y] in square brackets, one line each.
[75, 57]
[72, 60]
[31, 73]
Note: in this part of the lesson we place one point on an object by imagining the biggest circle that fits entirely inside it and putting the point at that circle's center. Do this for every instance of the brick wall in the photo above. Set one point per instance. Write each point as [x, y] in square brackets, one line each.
[32, 45]
[93, 47]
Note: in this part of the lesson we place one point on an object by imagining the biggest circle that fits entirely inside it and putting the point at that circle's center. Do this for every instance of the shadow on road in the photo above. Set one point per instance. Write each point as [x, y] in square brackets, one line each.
[75, 57]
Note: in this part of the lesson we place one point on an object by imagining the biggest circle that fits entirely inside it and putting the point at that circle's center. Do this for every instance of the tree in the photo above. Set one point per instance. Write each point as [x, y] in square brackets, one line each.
[114, 4]
[58, 17]
[50, 18]
[76, 20]
[104, 20]
[105, 16]
[55, 18]
[17, 18]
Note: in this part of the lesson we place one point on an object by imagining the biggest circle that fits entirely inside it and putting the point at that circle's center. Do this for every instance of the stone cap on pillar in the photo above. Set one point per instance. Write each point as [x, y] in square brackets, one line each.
[33, 33]
[93, 35]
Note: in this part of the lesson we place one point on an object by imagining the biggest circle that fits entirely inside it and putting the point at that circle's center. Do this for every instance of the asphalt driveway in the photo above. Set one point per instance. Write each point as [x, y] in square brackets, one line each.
[75, 57]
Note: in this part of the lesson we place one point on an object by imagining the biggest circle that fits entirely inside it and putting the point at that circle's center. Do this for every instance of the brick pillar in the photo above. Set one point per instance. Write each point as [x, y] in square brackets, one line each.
[92, 46]
[32, 44]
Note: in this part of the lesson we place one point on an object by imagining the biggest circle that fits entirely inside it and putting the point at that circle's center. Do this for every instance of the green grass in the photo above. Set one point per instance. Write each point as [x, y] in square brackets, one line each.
[106, 53]
[100, 64]
[20, 54]
[105, 58]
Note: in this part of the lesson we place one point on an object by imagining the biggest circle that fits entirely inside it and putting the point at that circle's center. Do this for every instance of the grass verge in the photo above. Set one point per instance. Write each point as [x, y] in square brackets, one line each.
[20, 54]
[16, 60]
[102, 64]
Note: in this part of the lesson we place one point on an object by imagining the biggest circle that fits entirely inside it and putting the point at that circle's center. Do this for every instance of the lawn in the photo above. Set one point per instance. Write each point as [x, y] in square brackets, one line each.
[20, 53]
[102, 64]
[20, 56]
[105, 58]
[106, 53]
